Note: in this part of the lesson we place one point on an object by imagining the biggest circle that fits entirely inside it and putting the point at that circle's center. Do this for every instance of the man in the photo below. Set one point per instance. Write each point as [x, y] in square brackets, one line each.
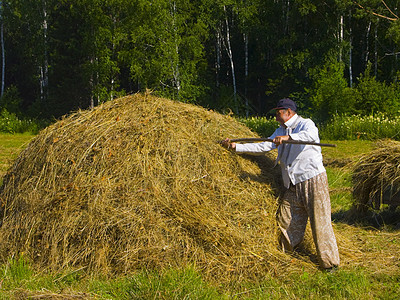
[304, 177]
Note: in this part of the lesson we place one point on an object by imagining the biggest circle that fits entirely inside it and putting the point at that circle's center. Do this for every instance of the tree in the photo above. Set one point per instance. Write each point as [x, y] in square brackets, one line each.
[373, 96]
[330, 94]
[3, 52]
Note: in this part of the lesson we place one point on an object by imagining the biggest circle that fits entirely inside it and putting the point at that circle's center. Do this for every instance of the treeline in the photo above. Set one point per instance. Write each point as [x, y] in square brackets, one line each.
[333, 56]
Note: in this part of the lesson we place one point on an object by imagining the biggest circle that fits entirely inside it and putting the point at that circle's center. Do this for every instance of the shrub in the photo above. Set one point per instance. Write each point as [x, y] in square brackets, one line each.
[351, 127]
[373, 96]
[10, 123]
[330, 93]
[11, 100]
[263, 126]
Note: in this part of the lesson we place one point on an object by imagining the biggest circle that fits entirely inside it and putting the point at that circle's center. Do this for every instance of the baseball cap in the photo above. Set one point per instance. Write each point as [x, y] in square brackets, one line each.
[286, 103]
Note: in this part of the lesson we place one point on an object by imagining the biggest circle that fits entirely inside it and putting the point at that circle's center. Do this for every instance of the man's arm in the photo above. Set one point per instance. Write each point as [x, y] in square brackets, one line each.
[307, 132]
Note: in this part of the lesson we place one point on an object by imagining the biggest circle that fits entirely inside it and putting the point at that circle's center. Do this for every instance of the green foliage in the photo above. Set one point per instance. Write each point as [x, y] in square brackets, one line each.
[167, 54]
[394, 31]
[11, 100]
[339, 127]
[10, 123]
[373, 96]
[263, 126]
[330, 94]
[371, 127]
[64, 55]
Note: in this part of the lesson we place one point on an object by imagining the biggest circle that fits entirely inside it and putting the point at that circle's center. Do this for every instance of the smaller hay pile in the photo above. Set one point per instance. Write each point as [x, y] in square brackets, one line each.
[140, 182]
[376, 176]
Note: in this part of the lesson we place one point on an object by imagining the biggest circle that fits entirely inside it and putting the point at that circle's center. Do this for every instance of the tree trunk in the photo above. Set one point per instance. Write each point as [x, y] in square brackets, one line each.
[230, 55]
[44, 71]
[217, 58]
[3, 52]
[246, 69]
[91, 83]
[286, 10]
[376, 49]
[175, 62]
[367, 44]
[350, 53]
[341, 37]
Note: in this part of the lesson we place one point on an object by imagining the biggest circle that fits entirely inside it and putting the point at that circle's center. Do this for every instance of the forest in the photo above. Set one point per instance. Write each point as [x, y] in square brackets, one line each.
[332, 57]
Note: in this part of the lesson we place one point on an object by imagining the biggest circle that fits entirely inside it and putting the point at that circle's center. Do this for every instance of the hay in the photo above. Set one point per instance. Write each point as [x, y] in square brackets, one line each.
[140, 182]
[376, 176]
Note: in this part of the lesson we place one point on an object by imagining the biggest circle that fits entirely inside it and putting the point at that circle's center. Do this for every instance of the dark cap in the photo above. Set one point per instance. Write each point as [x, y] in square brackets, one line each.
[285, 104]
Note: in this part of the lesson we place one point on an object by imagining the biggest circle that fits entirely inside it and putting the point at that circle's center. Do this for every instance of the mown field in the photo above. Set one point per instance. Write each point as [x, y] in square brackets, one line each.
[374, 274]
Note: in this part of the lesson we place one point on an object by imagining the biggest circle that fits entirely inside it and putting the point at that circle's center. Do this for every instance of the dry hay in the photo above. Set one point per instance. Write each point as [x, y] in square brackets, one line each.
[47, 295]
[376, 176]
[140, 182]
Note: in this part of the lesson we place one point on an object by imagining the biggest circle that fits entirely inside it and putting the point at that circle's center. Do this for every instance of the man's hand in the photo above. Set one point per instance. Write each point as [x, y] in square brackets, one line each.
[228, 145]
[278, 140]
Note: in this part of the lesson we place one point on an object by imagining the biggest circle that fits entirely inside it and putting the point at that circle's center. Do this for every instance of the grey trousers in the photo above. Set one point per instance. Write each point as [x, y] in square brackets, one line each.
[309, 199]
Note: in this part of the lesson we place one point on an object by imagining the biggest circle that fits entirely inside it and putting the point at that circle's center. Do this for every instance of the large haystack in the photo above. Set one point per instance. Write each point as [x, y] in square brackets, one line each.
[376, 176]
[141, 182]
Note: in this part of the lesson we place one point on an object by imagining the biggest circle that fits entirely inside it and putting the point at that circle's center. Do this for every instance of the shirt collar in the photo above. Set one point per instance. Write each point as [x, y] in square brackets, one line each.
[291, 121]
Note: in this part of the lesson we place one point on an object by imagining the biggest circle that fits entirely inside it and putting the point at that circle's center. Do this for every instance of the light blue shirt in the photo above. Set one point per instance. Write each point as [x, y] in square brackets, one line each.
[298, 162]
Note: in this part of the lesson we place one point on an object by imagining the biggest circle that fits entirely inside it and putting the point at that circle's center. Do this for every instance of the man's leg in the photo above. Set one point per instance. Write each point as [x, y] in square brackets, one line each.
[316, 198]
[292, 220]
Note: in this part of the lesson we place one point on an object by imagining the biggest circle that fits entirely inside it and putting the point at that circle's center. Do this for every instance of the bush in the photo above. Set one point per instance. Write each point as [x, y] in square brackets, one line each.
[11, 100]
[373, 96]
[10, 123]
[352, 127]
[339, 127]
[263, 126]
[330, 93]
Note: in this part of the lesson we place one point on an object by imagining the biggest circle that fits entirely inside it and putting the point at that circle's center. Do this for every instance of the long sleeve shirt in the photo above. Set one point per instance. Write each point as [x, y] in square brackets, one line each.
[298, 162]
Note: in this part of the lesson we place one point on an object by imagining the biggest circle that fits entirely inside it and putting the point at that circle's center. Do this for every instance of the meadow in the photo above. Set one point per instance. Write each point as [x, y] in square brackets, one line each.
[374, 234]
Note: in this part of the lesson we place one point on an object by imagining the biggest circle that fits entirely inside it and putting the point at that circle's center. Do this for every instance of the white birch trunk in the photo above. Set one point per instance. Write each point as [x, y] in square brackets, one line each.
[246, 69]
[367, 43]
[91, 83]
[3, 52]
[175, 62]
[44, 71]
[376, 49]
[287, 16]
[230, 55]
[217, 58]
[350, 53]
[341, 37]
[112, 81]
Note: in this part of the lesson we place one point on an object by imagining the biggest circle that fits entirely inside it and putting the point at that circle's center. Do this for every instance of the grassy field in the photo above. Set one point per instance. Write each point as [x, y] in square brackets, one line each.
[373, 273]
[10, 146]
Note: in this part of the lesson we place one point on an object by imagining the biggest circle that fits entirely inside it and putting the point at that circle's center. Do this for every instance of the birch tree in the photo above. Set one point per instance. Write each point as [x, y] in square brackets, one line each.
[3, 52]
[44, 63]
[228, 47]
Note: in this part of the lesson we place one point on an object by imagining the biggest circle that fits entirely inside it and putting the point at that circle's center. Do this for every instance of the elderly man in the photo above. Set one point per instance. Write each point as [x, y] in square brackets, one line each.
[304, 177]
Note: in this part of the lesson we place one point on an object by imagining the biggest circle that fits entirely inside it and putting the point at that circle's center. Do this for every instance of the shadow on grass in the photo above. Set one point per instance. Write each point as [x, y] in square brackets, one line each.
[385, 219]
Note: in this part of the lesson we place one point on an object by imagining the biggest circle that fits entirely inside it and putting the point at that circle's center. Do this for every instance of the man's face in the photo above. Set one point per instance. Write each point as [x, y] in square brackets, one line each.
[282, 115]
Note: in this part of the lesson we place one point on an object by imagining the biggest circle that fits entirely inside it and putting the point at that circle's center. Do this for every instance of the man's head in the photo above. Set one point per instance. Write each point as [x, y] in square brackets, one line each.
[285, 109]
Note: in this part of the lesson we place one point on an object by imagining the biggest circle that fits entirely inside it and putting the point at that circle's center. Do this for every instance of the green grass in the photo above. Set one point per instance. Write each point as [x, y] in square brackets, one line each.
[338, 166]
[10, 146]
[20, 281]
